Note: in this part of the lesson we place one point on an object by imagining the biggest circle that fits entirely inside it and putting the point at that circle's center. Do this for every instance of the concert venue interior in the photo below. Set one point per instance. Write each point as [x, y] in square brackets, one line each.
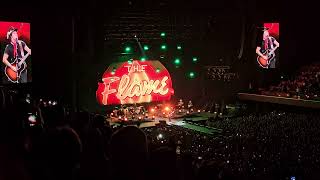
[162, 89]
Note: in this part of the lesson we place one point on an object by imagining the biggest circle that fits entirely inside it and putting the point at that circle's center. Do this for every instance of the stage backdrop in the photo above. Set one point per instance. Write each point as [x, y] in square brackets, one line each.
[134, 82]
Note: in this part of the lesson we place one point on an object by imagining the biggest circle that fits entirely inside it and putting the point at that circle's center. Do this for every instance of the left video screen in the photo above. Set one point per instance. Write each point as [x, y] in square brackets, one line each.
[15, 49]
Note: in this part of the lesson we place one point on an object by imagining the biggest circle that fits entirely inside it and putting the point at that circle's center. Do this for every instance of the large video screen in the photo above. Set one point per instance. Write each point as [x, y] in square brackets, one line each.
[267, 50]
[15, 49]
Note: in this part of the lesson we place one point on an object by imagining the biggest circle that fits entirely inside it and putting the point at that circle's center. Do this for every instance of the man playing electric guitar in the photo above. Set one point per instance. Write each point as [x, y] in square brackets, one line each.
[13, 51]
[266, 52]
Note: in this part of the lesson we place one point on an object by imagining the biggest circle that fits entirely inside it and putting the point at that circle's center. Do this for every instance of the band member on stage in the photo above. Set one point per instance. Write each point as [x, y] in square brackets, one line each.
[180, 104]
[268, 44]
[15, 49]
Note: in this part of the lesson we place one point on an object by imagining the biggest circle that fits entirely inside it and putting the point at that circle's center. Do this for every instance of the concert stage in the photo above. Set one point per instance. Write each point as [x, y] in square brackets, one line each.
[280, 100]
[185, 122]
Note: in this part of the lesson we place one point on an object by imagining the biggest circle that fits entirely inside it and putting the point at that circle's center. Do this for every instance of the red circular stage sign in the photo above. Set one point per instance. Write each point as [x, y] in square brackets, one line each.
[134, 82]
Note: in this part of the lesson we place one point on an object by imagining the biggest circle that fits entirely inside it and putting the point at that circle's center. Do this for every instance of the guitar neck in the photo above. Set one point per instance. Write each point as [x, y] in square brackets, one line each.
[24, 58]
[272, 51]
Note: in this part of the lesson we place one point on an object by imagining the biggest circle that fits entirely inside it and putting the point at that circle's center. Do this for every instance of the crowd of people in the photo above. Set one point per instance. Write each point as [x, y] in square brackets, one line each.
[274, 145]
[305, 85]
[47, 141]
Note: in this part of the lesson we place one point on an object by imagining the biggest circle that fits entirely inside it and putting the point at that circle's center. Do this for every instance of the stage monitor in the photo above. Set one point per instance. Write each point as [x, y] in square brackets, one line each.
[15, 49]
[267, 50]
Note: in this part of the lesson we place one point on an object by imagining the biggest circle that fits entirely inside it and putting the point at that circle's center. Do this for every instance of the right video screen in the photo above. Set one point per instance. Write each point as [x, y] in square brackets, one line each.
[268, 43]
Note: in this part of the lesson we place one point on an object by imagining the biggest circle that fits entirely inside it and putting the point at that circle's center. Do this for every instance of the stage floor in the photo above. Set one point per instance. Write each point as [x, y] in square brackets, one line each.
[176, 122]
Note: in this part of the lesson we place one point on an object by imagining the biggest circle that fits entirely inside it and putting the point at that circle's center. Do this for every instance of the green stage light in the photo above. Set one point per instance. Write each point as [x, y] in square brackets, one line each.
[130, 61]
[177, 61]
[179, 47]
[192, 74]
[158, 70]
[127, 49]
[194, 59]
[163, 47]
[143, 58]
[146, 48]
[163, 34]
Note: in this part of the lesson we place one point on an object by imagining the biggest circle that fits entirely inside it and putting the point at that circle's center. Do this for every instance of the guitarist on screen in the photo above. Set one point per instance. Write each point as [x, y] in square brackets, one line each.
[266, 51]
[15, 50]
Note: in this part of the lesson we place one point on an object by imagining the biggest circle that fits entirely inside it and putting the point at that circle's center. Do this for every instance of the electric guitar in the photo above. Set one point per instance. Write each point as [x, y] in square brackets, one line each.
[264, 63]
[20, 65]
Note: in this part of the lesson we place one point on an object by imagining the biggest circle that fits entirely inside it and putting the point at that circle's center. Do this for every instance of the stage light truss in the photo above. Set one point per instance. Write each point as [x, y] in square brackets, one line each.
[147, 25]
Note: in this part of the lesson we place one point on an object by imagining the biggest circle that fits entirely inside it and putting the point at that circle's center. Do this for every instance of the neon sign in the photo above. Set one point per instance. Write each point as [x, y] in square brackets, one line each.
[134, 82]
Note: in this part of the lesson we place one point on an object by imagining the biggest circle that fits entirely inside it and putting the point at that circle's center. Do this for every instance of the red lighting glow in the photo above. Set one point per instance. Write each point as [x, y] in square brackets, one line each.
[136, 82]
[273, 29]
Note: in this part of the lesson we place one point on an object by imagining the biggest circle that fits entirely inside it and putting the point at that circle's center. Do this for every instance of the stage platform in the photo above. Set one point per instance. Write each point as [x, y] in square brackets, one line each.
[177, 122]
[280, 100]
